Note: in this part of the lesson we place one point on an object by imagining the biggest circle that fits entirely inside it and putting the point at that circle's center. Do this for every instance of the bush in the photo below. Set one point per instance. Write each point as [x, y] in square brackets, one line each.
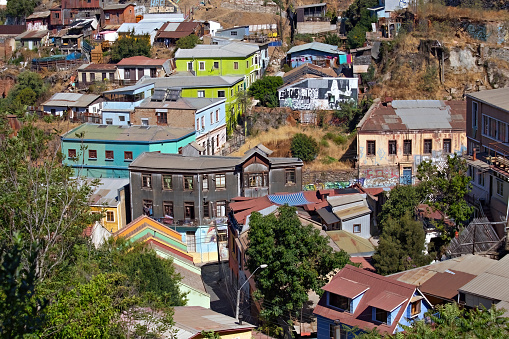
[329, 135]
[324, 143]
[340, 139]
[287, 68]
[328, 160]
[265, 90]
[304, 147]
[304, 37]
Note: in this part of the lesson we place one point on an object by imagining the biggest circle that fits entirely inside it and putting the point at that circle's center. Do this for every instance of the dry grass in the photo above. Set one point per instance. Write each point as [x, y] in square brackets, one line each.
[279, 141]
[454, 13]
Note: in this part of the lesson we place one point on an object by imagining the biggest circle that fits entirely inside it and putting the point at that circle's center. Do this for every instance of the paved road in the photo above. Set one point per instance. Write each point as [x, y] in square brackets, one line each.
[222, 297]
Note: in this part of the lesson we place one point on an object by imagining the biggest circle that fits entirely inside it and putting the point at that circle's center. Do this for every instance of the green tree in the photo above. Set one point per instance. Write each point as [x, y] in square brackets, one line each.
[356, 37]
[265, 90]
[332, 39]
[129, 46]
[20, 9]
[402, 199]
[299, 260]
[358, 21]
[304, 147]
[445, 187]
[401, 245]
[188, 42]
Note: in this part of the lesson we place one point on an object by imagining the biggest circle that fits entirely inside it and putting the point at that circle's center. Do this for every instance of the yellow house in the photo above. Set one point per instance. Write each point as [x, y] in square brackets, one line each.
[110, 197]
[190, 321]
[394, 137]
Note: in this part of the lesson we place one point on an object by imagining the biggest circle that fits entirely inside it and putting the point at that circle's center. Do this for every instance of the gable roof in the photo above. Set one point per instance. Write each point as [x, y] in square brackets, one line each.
[351, 243]
[383, 293]
[231, 50]
[307, 70]
[12, 29]
[70, 100]
[317, 46]
[177, 81]
[445, 285]
[491, 284]
[141, 61]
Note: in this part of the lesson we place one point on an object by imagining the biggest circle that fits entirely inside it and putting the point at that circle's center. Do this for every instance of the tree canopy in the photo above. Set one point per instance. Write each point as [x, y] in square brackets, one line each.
[265, 90]
[188, 42]
[304, 147]
[358, 21]
[129, 46]
[20, 9]
[299, 260]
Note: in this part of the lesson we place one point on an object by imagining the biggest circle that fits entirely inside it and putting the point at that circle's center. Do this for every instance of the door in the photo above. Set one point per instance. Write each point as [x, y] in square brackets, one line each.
[84, 77]
[140, 73]
[191, 241]
[406, 178]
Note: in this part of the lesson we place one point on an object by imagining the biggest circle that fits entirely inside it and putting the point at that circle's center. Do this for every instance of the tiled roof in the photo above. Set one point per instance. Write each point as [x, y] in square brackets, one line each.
[141, 61]
[383, 292]
[406, 115]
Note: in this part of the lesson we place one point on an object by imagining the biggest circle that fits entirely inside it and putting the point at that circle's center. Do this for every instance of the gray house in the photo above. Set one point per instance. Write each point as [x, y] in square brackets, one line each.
[195, 190]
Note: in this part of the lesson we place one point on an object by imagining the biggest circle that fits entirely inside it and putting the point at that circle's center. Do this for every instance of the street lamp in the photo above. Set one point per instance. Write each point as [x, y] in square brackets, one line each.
[238, 291]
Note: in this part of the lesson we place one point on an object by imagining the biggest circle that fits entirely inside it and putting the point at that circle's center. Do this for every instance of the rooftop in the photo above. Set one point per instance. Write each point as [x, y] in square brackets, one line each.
[191, 320]
[351, 243]
[182, 103]
[140, 28]
[128, 89]
[106, 194]
[491, 284]
[382, 293]
[12, 29]
[194, 81]
[38, 15]
[141, 61]
[70, 100]
[317, 46]
[231, 50]
[29, 35]
[97, 67]
[123, 134]
[493, 97]
[415, 115]
[445, 285]
[112, 7]
[307, 70]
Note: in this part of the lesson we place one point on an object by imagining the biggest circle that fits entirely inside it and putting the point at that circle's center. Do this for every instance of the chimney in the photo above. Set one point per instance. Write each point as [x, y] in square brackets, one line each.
[240, 319]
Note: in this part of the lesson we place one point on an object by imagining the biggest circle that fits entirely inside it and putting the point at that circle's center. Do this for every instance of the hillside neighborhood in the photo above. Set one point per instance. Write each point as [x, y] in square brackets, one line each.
[254, 169]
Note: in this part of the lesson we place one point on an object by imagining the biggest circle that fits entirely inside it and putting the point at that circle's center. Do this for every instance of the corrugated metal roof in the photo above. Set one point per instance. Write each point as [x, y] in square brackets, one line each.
[446, 284]
[193, 81]
[71, 100]
[231, 50]
[344, 199]
[351, 243]
[140, 28]
[317, 46]
[38, 15]
[127, 89]
[345, 287]
[107, 192]
[195, 319]
[387, 301]
[493, 97]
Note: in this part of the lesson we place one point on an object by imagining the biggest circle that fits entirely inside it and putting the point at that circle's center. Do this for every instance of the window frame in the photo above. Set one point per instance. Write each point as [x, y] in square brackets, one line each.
[216, 65]
[340, 298]
[107, 157]
[235, 65]
[219, 92]
[108, 214]
[70, 153]
[166, 204]
[407, 143]
[151, 204]
[290, 172]
[165, 186]
[146, 181]
[359, 226]
[128, 156]
[499, 187]
[186, 185]
[220, 208]
[371, 148]
[201, 65]
[415, 308]
[220, 180]
[201, 94]
[393, 147]
[379, 311]
[162, 117]
[445, 142]
[475, 113]
[427, 146]
[205, 182]
[90, 153]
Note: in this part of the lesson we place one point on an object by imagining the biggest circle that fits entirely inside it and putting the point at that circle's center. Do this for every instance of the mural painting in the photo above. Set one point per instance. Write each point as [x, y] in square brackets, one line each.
[324, 93]
[380, 177]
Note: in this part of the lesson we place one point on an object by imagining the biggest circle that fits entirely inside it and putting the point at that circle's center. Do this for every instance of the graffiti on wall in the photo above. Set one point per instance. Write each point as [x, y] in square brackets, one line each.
[322, 94]
[380, 177]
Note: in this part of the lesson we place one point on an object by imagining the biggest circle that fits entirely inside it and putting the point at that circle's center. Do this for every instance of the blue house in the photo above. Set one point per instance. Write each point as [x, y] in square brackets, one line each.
[105, 151]
[119, 103]
[315, 53]
[356, 300]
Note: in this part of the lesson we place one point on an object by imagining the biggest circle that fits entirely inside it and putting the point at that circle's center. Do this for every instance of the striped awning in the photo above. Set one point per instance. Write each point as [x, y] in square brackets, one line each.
[292, 199]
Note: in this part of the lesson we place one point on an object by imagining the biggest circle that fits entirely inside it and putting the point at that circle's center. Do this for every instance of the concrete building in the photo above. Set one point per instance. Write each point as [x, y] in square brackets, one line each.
[105, 151]
[133, 69]
[206, 115]
[394, 137]
[120, 103]
[90, 73]
[488, 150]
[73, 106]
[112, 198]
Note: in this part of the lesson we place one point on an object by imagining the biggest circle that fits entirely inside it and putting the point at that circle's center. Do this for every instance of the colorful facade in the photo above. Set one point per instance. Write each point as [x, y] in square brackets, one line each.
[111, 198]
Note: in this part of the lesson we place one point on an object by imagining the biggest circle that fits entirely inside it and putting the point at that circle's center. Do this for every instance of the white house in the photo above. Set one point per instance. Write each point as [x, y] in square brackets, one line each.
[70, 105]
[353, 213]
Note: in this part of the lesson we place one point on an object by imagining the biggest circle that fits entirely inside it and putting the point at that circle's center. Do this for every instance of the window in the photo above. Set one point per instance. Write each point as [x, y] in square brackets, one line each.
[112, 76]
[57, 15]
[110, 216]
[190, 66]
[357, 228]
[427, 146]
[407, 147]
[147, 208]
[257, 180]
[162, 118]
[202, 122]
[71, 153]
[168, 209]
[127, 73]
[144, 122]
[247, 63]
[128, 155]
[480, 178]
[191, 241]
[167, 182]
[188, 182]
[447, 145]
[339, 301]
[108, 155]
[474, 115]
[222, 235]
[153, 72]
[233, 33]
[206, 211]
[500, 187]
[189, 210]
[217, 115]
[205, 182]
[381, 315]
[217, 141]
[198, 124]
[92, 154]
[109, 121]
[415, 308]
[392, 147]
[53, 111]
[486, 126]
[220, 208]
[211, 118]
[256, 60]
[92, 76]
[334, 335]
[121, 118]
[202, 65]
[201, 94]
[235, 65]
[370, 146]
[290, 176]
[216, 64]
[220, 180]
[146, 180]
[221, 94]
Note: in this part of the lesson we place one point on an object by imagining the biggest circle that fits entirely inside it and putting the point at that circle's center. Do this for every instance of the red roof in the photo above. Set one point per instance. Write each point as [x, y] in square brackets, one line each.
[345, 287]
[141, 61]
[446, 284]
[242, 209]
[392, 291]
[365, 263]
[12, 29]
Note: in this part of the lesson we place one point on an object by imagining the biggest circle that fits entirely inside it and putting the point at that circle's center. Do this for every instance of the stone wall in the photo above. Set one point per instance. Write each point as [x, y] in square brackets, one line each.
[328, 179]
[250, 6]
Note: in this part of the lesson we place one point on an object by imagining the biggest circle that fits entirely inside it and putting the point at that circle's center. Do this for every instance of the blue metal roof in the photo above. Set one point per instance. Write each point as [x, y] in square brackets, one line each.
[292, 199]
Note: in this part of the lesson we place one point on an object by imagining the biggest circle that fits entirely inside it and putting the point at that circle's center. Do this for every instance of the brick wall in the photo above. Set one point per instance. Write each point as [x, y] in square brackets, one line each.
[175, 118]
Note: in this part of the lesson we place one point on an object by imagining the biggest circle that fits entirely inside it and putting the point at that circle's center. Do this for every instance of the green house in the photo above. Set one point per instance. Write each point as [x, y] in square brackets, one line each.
[207, 87]
[233, 59]
[105, 151]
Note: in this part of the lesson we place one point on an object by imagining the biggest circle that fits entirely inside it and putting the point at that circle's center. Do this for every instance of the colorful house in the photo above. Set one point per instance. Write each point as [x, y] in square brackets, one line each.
[112, 198]
[212, 87]
[70, 105]
[168, 244]
[105, 151]
[233, 59]
[116, 14]
[356, 300]
[133, 69]
[120, 102]
[315, 53]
